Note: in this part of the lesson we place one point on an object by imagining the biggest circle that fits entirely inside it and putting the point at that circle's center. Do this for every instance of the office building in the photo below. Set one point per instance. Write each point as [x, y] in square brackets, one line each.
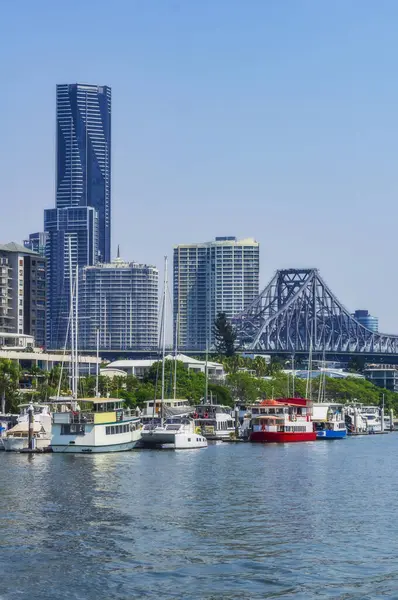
[210, 278]
[37, 242]
[367, 320]
[75, 228]
[382, 375]
[83, 178]
[22, 292]
[120, 301]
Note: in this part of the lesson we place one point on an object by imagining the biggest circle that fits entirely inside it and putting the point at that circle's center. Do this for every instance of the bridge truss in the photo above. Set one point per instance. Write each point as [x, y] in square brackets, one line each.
[297, 311]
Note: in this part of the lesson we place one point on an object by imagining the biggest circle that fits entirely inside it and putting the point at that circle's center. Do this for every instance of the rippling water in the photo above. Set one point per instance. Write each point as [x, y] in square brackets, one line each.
[313, 520]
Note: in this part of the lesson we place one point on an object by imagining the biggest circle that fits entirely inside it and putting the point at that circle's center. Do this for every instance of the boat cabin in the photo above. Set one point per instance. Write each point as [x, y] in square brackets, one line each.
[156, 405]
[289, 415]
[214, 418]
[101, 405]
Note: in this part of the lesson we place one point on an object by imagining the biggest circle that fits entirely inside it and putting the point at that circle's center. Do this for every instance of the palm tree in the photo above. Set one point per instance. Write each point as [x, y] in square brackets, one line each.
[9, 383]
[260, 366]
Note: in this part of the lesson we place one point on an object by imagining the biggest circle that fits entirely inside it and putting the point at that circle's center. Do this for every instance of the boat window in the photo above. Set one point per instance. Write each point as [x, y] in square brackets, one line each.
[72, 429]
[189, 439]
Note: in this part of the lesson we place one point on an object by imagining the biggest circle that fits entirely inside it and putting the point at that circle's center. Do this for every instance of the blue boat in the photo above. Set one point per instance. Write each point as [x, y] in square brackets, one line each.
[329, 422]
[330, 434]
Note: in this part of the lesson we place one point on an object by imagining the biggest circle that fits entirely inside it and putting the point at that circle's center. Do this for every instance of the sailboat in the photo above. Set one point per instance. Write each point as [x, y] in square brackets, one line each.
[213, 420]
[176, 432]
[328, 417]
[102, 424]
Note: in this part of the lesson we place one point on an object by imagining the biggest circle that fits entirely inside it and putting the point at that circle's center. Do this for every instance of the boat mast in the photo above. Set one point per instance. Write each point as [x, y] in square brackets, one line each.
[163, 337]
[308, 389]
[175, 357]
[77, 331]
[206, 373]
[97, 366]
[293, 376]
[72, 324]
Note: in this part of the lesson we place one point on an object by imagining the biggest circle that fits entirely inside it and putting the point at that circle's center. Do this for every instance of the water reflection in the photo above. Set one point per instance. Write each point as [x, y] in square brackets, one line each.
[233, 521]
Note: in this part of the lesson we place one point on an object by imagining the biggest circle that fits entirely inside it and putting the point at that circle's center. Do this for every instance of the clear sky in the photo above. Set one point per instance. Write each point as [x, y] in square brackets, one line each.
[275, 119]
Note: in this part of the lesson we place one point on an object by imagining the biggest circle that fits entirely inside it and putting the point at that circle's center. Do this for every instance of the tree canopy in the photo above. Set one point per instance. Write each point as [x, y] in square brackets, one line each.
[247, 380]
[224, 335]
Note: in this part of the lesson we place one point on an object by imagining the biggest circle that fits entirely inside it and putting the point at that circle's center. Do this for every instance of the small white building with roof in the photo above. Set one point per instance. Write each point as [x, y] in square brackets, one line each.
[139, 367]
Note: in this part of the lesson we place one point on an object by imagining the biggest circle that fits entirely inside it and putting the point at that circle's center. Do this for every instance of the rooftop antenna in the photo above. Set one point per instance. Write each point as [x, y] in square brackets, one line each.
[118, 251]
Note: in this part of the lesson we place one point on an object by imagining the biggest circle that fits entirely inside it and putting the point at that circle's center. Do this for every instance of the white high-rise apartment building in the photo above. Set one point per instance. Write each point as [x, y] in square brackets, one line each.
[210, 278]
[120, 301]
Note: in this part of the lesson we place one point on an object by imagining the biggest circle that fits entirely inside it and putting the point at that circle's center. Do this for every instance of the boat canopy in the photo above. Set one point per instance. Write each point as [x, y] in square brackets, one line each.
[101, 400]
[269, 417]
[24, 428]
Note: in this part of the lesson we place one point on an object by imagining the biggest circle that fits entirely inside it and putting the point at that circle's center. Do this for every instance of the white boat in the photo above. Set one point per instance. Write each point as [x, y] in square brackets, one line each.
[371, 414]
[355, 420]
[171, 408]
[106, 427]
[17, 438]
[214, 421]
[177, 432]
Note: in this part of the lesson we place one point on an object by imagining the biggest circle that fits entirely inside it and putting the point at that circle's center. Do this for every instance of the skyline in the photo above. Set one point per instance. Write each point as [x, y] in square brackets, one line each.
[204, 121]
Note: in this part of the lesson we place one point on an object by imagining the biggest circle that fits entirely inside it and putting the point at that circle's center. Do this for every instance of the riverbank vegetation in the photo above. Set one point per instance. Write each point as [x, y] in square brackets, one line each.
[246, 381]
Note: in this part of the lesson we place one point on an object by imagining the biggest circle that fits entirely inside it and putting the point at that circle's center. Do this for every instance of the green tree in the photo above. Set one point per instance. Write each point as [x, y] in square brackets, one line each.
[244, 387]
[260, 366]
[225, 336]
[9, 385]
[276, 365]
[221, 394]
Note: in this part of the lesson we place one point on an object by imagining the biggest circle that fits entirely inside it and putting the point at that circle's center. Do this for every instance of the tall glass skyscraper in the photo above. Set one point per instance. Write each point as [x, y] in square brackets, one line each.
[84, 154]
[83, 195]
[210, 278]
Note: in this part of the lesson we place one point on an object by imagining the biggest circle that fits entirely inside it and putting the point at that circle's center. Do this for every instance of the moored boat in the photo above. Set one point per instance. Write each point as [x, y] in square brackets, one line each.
[105, 427]
[282, 420]
[214, 421]
[178, 433]
[17, 438]
[329, 422]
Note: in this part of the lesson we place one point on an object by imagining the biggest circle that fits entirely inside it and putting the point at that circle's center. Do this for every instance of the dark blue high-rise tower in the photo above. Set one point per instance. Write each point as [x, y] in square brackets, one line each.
[84, 154]
[81, 222]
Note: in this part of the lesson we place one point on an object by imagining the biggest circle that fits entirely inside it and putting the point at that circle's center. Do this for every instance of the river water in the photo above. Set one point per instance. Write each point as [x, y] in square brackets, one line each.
[234, 521]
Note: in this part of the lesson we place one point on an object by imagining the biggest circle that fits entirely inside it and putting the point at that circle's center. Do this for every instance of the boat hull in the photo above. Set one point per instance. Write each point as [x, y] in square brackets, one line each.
[280, 437]
[176, 441]
[85, 449]
[14, 444]
[331, 435]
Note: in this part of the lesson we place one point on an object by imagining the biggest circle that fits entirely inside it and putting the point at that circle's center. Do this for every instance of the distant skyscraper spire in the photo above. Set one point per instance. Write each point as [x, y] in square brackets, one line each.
[118, 251]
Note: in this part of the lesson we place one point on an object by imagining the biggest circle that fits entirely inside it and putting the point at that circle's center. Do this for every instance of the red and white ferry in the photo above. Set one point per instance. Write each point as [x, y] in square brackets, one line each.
[282, 420]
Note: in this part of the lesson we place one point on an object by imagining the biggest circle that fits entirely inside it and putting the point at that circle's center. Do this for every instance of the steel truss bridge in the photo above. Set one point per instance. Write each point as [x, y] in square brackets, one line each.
[297, 312]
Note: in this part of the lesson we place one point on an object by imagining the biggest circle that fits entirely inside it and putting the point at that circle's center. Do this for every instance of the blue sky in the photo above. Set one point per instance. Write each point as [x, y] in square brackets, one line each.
[275, 119]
